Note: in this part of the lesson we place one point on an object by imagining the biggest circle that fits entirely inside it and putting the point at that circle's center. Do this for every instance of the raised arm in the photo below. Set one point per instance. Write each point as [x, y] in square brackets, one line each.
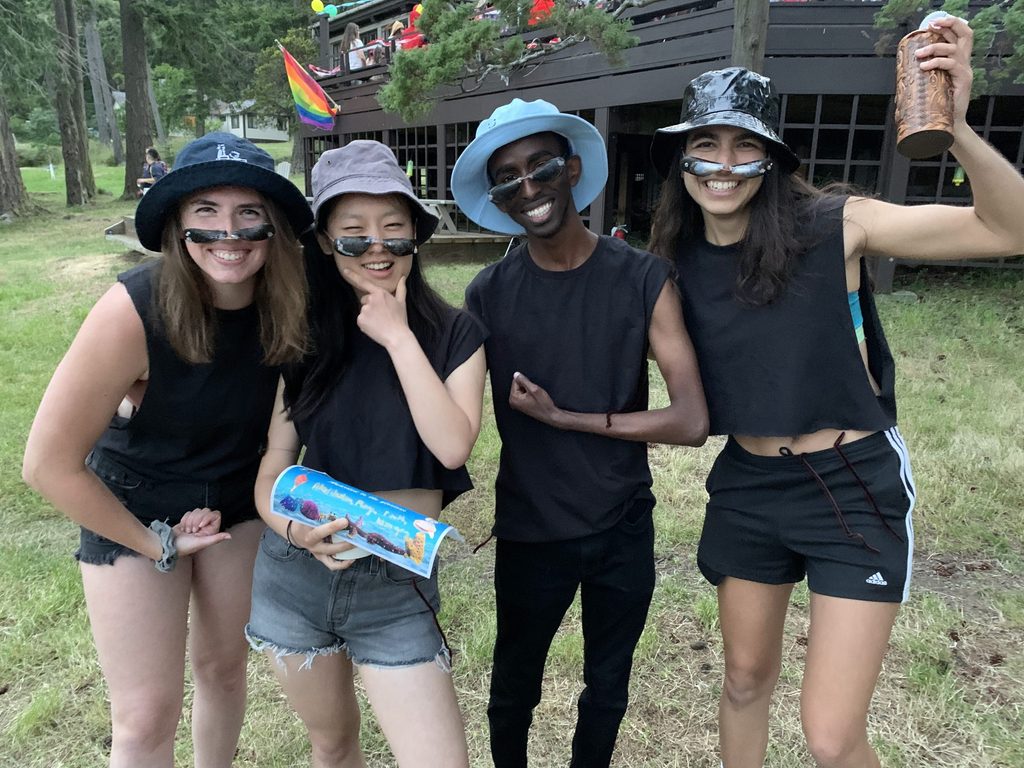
[992, 227]
[683, 422]
[107, 356]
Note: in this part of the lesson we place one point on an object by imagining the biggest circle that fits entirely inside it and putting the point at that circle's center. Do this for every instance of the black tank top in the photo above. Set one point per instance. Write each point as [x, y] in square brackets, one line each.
[200, 422]
[791, 367]
[363, 434]
[582, 334]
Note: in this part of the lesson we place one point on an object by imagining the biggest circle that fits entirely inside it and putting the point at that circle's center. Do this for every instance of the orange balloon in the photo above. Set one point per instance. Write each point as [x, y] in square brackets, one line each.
[301, 479]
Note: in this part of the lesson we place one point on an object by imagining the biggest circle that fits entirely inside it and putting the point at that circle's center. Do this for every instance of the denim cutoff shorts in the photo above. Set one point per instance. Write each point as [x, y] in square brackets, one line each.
[165, 500]
[378, 613]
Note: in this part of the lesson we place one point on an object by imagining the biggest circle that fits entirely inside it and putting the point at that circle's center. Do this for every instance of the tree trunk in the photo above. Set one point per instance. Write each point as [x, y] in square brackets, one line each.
[298, 160]
[749, 34]
[13, 198]
[69, 98]
[154, 109]
[202, 111]
[97, 77]
[103, 99]
[136, 104]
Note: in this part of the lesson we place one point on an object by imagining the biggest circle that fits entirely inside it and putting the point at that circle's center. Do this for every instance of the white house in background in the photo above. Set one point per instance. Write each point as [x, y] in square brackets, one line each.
[242, 118]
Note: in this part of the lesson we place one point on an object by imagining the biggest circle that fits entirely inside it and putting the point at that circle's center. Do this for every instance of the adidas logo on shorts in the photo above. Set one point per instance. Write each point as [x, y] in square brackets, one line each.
[877, 580]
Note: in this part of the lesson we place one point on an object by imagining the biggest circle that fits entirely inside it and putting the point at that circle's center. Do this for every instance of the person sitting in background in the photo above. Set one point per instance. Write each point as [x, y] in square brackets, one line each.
[153, 170]
[350, 45]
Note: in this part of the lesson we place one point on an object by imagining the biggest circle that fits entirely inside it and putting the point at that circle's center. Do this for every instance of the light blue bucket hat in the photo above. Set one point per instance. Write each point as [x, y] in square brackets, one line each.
[511, 122]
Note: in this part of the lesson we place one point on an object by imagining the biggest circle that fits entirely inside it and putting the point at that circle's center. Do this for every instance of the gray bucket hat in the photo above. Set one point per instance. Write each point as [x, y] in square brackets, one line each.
[733, 96]
[369, 168]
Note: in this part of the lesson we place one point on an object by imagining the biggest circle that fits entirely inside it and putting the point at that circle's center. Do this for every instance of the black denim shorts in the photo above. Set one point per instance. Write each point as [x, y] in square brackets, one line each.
[166, 500]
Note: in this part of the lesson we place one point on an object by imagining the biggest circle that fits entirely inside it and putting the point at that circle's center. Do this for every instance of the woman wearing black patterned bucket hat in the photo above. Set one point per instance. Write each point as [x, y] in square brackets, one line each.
[814, 479]
[150, 434]
[389, 401]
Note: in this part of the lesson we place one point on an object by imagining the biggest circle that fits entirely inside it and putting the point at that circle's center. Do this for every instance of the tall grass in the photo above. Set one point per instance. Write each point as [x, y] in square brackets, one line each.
[953, 682]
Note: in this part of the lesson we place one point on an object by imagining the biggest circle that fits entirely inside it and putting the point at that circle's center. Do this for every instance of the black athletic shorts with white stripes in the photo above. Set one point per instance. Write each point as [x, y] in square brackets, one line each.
[840, 516]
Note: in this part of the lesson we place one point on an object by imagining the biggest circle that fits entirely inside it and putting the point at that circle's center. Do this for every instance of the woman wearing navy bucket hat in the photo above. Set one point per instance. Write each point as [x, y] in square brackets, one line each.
[814, 479]
[150, 433]
[389, 401]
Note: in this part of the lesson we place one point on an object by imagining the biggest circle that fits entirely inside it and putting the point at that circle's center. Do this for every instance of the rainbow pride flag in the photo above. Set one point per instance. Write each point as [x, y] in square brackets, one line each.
[315, 107]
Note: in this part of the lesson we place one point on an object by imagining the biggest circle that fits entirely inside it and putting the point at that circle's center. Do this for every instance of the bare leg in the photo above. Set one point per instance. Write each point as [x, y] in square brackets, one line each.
[752, 617]
[138, 617]
[221, 591]
[418, 712]
[847, 641]
[324, 698]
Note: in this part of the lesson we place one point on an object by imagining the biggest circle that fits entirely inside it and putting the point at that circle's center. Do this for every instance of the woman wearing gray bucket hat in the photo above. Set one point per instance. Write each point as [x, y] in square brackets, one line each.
[150, 433]
[388, 401]
[815, 477]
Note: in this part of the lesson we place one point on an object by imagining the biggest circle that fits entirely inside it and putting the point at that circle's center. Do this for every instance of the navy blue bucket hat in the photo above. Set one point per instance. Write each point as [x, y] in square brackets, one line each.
[217, 160]
[733, 96]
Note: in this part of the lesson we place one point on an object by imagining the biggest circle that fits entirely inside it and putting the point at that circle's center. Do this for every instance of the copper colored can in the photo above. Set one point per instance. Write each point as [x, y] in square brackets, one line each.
[924, 101]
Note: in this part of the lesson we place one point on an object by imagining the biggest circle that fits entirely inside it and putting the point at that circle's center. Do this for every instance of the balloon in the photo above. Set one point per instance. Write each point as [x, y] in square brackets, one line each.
[331, 10]
[300, 479]
[317, 5]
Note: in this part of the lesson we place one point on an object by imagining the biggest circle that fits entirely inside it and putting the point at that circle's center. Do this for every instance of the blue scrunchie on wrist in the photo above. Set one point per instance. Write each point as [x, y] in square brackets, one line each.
[169, 552]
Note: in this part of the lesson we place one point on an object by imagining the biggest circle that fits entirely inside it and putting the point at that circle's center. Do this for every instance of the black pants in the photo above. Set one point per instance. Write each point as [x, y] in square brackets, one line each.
[535, 584]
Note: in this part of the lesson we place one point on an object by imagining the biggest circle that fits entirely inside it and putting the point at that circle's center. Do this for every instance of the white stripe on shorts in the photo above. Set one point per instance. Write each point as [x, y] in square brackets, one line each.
[898, 445]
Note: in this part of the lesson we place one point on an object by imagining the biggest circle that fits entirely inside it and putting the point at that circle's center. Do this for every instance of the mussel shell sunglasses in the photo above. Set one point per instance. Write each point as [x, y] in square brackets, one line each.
[357, 246]
[698, 167]
[545, 172]
[252, 234]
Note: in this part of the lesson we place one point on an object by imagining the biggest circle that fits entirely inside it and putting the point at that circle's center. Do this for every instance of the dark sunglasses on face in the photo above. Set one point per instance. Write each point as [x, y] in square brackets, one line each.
[357, 246]
[543, 173]
[698, 167]
[252, 234]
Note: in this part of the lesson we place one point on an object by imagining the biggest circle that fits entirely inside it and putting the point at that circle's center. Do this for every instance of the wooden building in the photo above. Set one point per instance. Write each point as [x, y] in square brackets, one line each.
[837, 95]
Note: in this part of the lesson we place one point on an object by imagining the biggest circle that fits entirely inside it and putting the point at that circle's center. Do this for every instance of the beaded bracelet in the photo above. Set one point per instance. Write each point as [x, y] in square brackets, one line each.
[168, 550]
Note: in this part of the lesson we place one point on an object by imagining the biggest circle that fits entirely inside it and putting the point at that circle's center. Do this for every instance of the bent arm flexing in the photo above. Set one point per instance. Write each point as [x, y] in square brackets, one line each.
[992, 227]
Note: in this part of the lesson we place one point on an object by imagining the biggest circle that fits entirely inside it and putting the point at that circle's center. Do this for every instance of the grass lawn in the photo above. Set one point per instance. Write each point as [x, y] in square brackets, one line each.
[952, 686]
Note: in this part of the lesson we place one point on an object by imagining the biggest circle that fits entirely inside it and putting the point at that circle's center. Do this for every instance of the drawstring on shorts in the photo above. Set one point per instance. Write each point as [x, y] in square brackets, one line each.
[433, 614]
[850, 534]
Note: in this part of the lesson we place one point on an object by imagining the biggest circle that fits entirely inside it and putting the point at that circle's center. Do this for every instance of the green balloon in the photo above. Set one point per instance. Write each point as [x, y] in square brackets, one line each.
[331, 10]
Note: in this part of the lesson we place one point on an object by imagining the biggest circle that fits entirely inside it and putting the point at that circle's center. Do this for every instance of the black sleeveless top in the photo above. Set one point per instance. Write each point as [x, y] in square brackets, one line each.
[363, 433]
[791, 367]
[582, 334]
[203, 422]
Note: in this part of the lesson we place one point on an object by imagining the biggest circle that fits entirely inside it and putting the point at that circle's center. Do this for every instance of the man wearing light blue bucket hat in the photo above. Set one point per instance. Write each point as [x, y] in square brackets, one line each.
[572, 316]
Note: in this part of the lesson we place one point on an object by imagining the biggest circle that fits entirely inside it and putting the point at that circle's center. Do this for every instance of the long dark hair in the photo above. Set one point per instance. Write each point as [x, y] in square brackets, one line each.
[781, 228]
[333, 309]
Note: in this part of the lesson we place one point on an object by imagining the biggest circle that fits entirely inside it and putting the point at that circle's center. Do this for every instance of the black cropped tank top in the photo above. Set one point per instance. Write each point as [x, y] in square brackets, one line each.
[791, 367]
[199, 422]
[363, 433]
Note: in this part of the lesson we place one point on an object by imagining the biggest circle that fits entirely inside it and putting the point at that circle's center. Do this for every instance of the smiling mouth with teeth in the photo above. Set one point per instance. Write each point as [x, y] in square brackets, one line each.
[228, 255]
[722, 186]
[539, 212]
[379, 266]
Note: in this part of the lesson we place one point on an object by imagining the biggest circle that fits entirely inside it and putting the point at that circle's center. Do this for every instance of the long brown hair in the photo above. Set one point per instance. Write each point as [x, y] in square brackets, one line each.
[780, 229]
[185, 301]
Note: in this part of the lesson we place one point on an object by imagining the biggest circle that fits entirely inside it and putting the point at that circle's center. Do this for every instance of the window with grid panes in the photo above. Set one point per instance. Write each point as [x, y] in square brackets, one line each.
[838, 137]
[416, 150]
[1000, 121]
